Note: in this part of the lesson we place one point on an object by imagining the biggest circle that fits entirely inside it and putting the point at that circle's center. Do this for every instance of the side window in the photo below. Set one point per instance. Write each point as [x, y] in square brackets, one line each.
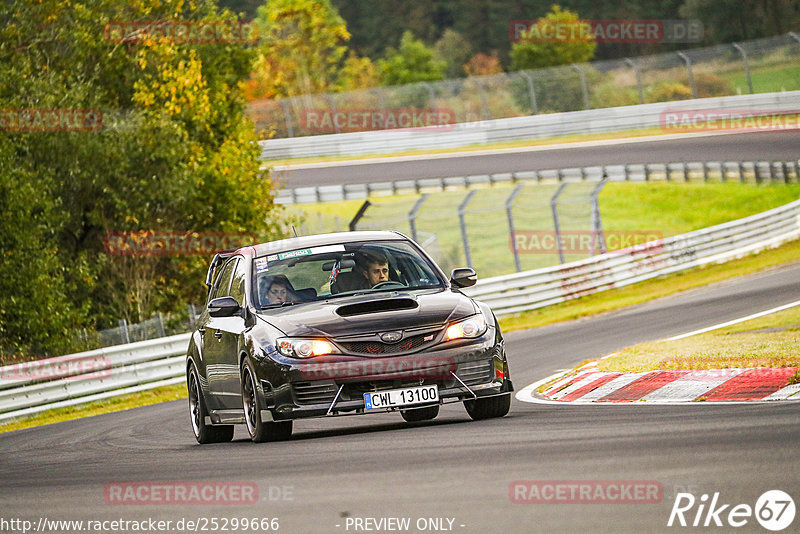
[237, 286]
[223, 283]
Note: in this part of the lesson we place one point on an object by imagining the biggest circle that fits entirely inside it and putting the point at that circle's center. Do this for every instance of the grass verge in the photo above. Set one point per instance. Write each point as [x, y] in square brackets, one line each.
[769, 341]
[115, 404]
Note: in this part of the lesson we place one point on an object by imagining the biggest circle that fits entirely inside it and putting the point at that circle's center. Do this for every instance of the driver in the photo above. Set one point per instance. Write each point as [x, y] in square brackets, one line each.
[373, 265]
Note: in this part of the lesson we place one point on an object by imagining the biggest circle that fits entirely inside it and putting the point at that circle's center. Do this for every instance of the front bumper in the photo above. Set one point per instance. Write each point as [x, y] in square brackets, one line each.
[336, 386]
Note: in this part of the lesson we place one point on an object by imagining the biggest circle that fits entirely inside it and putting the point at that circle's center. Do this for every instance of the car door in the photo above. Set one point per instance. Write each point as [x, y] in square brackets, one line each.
[231, 328]
[212, 331]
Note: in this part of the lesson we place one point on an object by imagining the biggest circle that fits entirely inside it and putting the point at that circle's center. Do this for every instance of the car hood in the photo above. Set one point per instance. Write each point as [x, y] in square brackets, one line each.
[360, 314]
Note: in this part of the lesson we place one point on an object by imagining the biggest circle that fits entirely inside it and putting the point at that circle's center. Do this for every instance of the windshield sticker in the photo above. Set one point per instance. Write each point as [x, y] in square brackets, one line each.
[272, 257]
[294, 254]
[262, 265]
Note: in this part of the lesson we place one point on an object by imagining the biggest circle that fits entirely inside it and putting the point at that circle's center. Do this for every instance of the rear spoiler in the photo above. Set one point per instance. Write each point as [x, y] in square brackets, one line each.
[219, 259]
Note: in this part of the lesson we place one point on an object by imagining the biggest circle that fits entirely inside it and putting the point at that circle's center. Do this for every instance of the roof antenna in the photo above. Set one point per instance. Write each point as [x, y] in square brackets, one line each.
[295, 231]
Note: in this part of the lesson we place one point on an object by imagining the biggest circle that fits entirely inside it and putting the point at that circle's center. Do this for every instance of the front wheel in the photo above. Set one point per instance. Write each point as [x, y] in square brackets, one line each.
[488, 407]
[420, 414]
[259, 430]
[203, 432]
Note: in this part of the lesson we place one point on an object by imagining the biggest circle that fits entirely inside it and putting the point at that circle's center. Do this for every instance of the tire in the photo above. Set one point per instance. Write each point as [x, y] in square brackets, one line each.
[203, 433]
[488, 407]
[420, 414]
[260, 431]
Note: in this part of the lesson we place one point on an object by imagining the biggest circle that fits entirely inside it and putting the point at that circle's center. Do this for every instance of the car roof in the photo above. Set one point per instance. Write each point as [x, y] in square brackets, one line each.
[322, 239]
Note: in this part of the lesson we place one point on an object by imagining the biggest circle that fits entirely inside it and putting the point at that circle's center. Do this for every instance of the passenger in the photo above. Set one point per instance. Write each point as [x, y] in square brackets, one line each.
[278, 291]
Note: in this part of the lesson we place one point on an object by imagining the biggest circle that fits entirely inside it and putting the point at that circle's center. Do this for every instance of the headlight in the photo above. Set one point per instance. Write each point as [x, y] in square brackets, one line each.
[470, 327]
[304, 348]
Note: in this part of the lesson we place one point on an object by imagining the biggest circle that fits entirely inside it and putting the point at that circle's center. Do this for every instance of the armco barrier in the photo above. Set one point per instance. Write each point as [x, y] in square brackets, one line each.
[528, 290]
[723, 171]
[519, 128]
[36, 386]
[156, 362]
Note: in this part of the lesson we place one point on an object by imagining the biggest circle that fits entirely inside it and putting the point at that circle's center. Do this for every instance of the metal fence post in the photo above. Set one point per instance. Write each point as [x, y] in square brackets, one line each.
[332, 105]
[584, 87]
[123, 331]
[464, 238]
[554, 209]
[484, 103]
[688, 63]
[746, 66]
[431, 93]
[412, 215]
[511, 230]
[596, 220]
[161, 330]
[358, 215]
[531, 91]
[287, 116]
[638, 75]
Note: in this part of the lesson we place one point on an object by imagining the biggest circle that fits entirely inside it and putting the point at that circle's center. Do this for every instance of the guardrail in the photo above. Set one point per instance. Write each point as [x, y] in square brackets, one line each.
[681, 171]
[40, 385]
[529, 290]
[520, 128]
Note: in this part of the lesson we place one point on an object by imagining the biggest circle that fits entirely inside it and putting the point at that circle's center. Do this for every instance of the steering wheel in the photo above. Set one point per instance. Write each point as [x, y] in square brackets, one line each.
[388, 283]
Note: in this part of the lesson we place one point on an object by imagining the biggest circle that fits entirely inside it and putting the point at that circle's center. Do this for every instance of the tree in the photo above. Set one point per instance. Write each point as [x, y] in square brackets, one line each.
[357, 73]
[455, 50]
[412, 62]
[482, 64]
[179, 158]
[539, 51]
[731, 20]
[301, 49]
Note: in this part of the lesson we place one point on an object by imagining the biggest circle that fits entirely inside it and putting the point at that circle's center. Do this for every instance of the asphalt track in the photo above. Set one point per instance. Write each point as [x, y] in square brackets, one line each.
[762, 146]
[377, 466]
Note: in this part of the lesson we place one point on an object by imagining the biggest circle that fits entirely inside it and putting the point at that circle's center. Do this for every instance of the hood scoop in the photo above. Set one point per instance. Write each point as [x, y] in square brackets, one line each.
[376, 306]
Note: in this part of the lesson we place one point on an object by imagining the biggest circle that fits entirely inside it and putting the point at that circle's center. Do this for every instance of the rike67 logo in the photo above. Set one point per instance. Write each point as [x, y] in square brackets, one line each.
[774, 510]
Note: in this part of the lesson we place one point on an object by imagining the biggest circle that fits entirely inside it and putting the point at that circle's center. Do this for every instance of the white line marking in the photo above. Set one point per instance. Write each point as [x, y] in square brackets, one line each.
[735, 321]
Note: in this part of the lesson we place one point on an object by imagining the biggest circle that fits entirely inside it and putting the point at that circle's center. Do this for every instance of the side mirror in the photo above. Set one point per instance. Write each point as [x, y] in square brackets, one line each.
[223, 307]
[463, 277]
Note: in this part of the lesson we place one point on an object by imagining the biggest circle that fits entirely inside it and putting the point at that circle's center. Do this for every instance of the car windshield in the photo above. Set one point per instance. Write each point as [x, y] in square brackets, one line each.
[328, 271]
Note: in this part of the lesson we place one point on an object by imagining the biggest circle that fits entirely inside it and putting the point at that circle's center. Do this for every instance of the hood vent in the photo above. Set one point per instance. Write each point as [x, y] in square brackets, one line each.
[376, 306]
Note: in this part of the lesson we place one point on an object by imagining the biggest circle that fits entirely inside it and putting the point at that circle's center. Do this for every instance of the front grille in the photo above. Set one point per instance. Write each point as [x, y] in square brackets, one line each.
[314, 392]
[475, 373]
[378, 347]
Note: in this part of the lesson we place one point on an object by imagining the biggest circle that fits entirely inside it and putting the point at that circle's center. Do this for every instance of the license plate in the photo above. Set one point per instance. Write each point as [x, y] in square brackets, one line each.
[401, 397]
